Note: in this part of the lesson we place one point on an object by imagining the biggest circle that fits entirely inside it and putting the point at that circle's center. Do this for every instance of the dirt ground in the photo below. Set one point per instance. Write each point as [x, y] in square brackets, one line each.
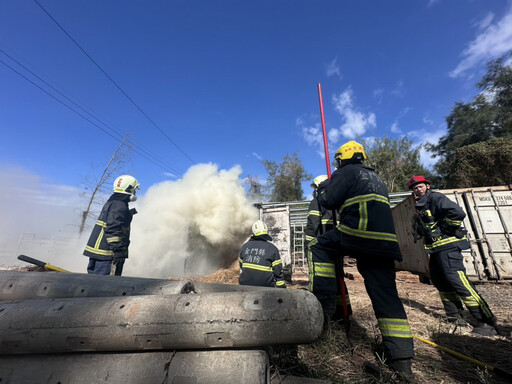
[340, 356]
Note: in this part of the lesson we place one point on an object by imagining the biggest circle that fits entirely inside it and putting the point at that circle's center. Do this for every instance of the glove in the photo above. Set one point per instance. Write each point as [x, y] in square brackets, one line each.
[321, 187]
[447, 228]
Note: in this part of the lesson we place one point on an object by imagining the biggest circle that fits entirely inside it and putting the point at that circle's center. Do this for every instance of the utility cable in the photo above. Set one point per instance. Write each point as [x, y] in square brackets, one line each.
[84, 117]
[113, 82]
[87, 112]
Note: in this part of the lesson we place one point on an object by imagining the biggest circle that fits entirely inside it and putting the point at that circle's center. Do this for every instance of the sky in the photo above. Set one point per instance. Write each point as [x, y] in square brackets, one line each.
[226, 83]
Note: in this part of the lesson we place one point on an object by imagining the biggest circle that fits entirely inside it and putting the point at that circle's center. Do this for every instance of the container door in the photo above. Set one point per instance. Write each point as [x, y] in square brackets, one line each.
[278, 223]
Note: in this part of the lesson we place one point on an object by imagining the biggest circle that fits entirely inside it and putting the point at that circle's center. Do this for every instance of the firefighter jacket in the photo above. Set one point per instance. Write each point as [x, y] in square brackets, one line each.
[260, 263]
[364, 213]
[111, 233]
[442, 219]
[319, 220]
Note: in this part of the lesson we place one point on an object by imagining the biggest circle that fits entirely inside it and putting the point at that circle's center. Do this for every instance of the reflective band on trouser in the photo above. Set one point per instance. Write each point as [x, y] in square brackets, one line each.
[395, 328]
[325, 270]
[311, 269]
[280, 283]
[449, 296]
[116, 239]
[475, 299]
[257, 267]
[339, 300]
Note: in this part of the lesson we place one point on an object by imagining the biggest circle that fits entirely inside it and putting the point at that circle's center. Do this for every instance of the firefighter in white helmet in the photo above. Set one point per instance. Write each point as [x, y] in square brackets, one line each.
[365, 231]
[260, 262]
[319, 221]
[107, 247]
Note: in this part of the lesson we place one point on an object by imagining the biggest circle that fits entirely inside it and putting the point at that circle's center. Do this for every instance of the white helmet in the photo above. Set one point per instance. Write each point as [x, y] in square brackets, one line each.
[126, 184]
[318, 180]
[259, 228]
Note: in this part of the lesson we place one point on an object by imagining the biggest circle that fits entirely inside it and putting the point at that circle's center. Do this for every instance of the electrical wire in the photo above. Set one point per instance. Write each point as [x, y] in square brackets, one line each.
[87, 112]
[84, 117]
[113, 82]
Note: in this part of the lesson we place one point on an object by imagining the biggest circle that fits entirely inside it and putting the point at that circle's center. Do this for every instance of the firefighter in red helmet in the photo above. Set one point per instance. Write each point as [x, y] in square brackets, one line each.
[439, 222]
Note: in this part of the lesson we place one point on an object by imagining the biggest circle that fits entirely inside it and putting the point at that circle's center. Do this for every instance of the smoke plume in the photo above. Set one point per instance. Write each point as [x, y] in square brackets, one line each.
[191, 226]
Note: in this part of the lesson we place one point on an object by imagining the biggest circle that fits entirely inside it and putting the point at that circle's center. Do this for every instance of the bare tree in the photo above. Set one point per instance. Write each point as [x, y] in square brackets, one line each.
[117, 161]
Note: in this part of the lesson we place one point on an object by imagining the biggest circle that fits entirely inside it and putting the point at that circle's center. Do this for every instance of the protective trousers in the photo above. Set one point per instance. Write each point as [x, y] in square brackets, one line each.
[322, 276]
[448, 275]
[379, 280]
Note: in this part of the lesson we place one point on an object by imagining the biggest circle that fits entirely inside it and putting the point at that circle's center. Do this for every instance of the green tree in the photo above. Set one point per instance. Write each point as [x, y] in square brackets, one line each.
[487, 117]
[395, 160]
[481, 164]
[284, 181]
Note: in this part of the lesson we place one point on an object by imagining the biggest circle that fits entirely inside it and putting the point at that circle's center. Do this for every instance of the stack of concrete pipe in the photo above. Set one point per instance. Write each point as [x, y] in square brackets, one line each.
[77, 328]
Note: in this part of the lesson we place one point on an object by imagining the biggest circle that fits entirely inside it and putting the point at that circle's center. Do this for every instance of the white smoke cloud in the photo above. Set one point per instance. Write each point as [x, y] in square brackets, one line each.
[39, 220]
[190, 226]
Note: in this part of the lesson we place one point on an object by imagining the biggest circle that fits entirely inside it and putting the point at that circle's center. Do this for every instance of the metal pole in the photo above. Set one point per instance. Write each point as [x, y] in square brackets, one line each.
[338, 261]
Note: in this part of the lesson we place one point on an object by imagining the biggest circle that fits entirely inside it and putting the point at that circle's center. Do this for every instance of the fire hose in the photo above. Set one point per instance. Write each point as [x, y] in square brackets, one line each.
[41, 264]
[498, 371]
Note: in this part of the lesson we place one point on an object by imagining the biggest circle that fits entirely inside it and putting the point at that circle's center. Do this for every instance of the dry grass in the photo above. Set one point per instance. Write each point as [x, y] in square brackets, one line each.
[339, 356]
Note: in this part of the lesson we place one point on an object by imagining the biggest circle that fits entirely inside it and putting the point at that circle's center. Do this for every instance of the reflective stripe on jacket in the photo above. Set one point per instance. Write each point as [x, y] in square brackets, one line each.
[364, 213]
[111, 233]
[319, 220]
[260, 264]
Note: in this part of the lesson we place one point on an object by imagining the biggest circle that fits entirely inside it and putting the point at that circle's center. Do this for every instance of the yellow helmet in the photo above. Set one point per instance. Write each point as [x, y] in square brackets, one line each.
[317, 180]
[348, 150]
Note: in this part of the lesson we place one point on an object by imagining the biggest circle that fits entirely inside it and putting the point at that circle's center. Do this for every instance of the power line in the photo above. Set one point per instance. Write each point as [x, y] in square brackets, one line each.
[84, 117]
[113, 82]
[87, 112]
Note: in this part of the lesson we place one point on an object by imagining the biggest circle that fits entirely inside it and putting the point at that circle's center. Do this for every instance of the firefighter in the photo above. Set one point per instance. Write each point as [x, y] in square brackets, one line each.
[365, 231]
[260, 263]
[438, 221]
[319, 221]
[107, 247]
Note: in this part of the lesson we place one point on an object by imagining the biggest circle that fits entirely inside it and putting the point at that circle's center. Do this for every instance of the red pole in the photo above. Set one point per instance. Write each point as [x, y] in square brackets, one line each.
[326, 147]
[338, 261]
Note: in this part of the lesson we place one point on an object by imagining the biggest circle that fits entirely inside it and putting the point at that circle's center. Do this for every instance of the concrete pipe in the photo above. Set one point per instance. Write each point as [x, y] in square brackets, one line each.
[182, 367]
[16, 285]
[193, 321]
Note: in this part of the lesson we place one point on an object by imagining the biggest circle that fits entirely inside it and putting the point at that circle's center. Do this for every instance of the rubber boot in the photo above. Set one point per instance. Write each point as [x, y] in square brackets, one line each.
[484, 329]
[402, 367]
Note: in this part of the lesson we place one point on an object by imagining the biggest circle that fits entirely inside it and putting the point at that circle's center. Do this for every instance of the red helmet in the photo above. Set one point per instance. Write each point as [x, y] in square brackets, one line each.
[416, 180]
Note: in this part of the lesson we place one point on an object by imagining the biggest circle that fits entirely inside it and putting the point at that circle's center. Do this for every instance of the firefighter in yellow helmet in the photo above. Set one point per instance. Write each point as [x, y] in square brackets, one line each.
[107, 247]
[260, 262]
[365, 231]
